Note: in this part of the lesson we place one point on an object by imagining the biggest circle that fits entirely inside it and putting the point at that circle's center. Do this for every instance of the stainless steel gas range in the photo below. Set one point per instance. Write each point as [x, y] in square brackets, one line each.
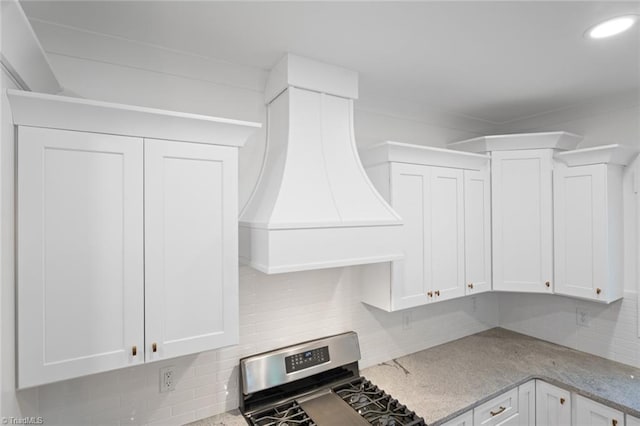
[316, 383]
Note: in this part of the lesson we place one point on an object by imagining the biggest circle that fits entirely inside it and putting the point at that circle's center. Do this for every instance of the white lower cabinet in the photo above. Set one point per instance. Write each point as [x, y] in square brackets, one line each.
[632, 421]
[538, 403]
[126, 247]
[500, 410]
[590, 413]
[464, 419]
[527, 403]
[553, 405]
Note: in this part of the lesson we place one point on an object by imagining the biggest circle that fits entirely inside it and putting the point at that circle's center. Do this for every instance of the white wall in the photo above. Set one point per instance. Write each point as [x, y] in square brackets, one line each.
[614, 329]
[274, 310]
[23, 65]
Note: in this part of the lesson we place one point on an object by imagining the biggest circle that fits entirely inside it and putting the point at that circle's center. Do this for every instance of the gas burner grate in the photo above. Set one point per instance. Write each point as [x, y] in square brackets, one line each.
[375, 405]
[289, 414]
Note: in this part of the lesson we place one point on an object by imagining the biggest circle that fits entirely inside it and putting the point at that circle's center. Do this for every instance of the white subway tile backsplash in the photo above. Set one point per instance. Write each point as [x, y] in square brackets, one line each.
[275, 310]
[316, 304]
[612, 332]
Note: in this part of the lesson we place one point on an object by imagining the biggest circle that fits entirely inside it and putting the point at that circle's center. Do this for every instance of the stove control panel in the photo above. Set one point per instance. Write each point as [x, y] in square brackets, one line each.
[306, 359]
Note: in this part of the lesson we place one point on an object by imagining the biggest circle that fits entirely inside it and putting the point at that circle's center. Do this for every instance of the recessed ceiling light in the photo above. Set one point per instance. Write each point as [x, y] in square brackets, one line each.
[612, 26]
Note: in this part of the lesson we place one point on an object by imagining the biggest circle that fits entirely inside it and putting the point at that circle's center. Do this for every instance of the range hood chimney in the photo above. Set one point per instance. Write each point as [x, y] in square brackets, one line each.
[314, 206]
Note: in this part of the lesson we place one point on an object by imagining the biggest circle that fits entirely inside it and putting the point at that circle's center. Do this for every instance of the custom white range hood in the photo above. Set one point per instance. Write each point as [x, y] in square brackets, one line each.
[314, 206]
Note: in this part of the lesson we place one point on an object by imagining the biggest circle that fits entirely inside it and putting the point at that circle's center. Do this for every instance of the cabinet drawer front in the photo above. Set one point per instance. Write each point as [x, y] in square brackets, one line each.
[465, 419]
[497, 410]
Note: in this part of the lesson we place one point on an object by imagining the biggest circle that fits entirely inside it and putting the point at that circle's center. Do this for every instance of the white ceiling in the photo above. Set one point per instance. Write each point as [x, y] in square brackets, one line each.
[495, 61]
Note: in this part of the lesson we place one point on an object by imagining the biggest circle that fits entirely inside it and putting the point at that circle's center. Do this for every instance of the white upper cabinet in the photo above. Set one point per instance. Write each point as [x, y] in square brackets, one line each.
[80, 254]
[477, 226]
[522, 220]
[588, 218]
[521, 206]
[127, 246]
[445, 248]
[442, 197]
[191, 266]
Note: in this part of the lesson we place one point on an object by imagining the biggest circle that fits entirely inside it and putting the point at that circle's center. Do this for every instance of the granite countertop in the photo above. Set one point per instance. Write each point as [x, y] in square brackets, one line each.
[442, 382]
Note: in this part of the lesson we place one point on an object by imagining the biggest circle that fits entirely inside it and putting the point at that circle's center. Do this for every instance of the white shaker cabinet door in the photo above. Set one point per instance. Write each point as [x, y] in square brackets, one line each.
[522, 220]
[588, 218]
[409, 195]
[553, 405]
[445, 252]
[191, 275]
[80, 254]
[632, 421]
[527, 404]
[591, 413]
[477, 230]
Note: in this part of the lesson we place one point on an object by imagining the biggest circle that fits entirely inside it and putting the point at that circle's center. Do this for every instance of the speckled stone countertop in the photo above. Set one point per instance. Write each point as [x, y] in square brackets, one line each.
[442, 382]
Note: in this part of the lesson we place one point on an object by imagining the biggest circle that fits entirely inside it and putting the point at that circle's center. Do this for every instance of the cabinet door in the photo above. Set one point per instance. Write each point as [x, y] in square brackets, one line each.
[477, 231]
[522, 220]
[591, 413]
[409, 188]
[80, 254]
[527, 404]
[580, 220]
[445, 251]
[553, 405]
[191, 248]
[465, 419]
[632, 421]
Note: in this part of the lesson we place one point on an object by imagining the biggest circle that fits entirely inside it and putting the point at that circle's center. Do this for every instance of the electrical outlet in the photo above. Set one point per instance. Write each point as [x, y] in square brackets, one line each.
[167, 379]
[406, 320]
[583, 319]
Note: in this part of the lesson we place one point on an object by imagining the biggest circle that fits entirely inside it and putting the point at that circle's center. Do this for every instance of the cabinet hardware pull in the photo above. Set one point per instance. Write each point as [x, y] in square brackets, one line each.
[430, 293]
[134, 350]
[495, 413]
[561, 401]
[598, 291]
[154, 347]
[470, 285]
[548, 284]
[437, 292]
[614, 422]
